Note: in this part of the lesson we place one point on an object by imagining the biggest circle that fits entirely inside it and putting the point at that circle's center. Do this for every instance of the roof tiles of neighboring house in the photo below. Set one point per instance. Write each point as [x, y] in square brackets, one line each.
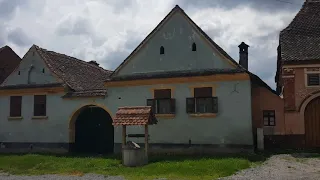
[85, 79]
[300, 41]
[9, 60]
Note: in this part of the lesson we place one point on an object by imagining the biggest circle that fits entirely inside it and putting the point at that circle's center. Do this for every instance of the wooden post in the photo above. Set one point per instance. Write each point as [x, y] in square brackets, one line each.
[124, 134]
[146, 137]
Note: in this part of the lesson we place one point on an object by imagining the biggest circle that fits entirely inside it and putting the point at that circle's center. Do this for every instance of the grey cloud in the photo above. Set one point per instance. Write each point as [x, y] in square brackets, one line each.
[74, 26]
[19, 37]
[264, 5]
[8, 7]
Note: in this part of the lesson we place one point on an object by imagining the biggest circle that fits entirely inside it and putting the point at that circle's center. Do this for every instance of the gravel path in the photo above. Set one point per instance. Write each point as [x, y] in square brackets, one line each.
[283, 167]
[278, 167]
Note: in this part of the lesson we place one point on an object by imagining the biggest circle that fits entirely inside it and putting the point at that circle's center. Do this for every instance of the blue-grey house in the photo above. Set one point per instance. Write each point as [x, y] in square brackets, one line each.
[199, 94]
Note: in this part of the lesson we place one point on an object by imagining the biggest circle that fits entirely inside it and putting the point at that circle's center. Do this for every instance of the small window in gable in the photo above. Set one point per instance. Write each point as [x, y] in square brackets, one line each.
[43, 70]
[194, 47]
[18, 72]
[161, 50]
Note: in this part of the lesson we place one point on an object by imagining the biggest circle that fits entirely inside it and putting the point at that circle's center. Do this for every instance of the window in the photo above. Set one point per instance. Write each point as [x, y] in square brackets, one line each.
[15, 106]
[19, 73]
[269, 118]
[161, 50]
[194, 47]
[313, 79]
[39, 105]
[43, 70]
[162, 102]
[202, 102]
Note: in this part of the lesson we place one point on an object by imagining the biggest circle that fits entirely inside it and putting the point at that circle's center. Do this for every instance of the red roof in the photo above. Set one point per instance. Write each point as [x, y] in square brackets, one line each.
[134, 115]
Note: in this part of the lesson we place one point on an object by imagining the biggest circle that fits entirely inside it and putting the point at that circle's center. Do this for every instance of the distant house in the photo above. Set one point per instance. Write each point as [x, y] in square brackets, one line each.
[296, 123]
[202, 98]
[9, 60]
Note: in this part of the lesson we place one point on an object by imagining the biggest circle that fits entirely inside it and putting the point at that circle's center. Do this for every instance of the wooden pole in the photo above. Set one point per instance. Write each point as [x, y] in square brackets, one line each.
[146, 137]
[124, 134]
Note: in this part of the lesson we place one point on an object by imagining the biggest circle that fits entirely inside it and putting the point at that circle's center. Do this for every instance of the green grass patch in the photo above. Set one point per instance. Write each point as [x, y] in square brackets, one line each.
[171, 167]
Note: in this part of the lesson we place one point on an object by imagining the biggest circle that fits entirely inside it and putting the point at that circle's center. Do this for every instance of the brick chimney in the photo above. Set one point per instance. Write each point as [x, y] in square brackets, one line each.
[243, 52]
[93, 63]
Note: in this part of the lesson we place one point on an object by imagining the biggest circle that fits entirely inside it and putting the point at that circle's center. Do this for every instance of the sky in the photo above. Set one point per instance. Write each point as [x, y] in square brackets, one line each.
[107, 31]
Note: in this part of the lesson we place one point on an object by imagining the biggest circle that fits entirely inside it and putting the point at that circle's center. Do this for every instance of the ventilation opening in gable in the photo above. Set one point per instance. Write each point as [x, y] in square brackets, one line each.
[194, 47]
[161, 50]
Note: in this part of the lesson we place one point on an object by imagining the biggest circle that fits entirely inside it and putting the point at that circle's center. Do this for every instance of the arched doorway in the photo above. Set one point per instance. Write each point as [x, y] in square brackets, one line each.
[92, 130]
[312, 123]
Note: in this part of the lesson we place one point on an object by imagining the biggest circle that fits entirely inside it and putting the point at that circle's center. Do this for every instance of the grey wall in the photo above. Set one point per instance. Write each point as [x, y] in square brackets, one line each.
[177, 36]
[231, 126]
[36, 74]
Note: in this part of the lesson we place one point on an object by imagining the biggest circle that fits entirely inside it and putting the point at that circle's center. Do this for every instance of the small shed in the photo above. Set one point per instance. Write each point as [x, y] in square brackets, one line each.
[135, 116]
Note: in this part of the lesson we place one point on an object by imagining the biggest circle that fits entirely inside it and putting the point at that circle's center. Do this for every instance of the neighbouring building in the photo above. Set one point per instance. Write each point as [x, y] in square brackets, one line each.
[9, 60]
[202, 98]
[298, 69]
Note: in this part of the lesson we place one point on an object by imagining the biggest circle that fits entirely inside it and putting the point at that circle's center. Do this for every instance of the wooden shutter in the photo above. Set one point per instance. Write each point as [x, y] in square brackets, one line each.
[203, 92]
[15, 106]
[40, 105]
[190, 105]
[215, 104]
[173, 106]
[152, 103]
[162, 93]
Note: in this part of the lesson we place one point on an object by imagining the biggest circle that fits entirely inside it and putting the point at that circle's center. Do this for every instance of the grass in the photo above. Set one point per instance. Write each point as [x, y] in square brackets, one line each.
[171, 167]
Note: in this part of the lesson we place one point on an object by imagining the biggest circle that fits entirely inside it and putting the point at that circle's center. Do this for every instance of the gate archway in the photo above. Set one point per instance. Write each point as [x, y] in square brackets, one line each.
[91, 131]
[312, 123]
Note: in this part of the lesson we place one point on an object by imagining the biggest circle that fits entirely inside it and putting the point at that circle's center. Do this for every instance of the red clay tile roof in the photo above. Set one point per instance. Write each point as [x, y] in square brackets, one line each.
[82, 77]
[300, 41]
[134, 115]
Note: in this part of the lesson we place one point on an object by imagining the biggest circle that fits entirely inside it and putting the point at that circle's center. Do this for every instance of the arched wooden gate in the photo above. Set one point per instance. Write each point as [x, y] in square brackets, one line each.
[312, 123]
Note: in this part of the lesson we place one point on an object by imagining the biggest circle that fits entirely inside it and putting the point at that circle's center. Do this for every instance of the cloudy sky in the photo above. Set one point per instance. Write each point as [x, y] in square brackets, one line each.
[108, 30]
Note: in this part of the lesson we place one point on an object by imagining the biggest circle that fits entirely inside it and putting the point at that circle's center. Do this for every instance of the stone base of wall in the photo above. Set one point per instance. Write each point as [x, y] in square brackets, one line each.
[186, 149]
[61, 148]
[272, 142]
[34, 147]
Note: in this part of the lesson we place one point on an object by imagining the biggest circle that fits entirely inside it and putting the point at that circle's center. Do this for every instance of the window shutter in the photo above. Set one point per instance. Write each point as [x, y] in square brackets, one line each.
[173, 106]
[190, 105]
[215, 104]
[15, 106]
[162, 93]
[151, 102]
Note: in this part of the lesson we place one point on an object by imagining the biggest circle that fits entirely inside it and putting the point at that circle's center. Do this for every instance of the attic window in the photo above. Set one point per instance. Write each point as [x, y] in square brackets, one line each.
[194, 47]
[43, 70]
[161, 50]
[18, 72]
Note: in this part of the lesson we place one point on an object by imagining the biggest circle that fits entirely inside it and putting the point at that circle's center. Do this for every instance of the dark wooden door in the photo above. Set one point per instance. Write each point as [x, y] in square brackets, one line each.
[312, 123]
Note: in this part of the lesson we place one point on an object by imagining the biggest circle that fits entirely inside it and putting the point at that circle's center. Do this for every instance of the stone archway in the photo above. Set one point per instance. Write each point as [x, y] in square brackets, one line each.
[91, 130]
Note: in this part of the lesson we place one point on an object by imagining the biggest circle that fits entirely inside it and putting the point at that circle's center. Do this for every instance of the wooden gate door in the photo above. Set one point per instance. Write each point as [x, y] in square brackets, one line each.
[312, 123]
